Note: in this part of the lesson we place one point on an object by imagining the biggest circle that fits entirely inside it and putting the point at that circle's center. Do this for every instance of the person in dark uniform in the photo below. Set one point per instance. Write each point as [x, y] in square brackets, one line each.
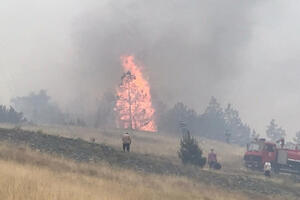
[126, 139]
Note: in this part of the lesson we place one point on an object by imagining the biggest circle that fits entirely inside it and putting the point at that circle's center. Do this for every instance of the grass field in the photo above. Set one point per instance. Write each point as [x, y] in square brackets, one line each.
[161, 144]
[28, 175]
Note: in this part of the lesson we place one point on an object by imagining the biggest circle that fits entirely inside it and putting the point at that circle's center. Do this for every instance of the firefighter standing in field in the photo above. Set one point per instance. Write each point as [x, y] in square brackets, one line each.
[126, 142]
[267, 169]
[212, 159]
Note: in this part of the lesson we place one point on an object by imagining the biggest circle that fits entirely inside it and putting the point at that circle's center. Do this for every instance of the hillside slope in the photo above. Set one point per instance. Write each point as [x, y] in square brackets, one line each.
[83, 151]
[158, 144]
[30, 175]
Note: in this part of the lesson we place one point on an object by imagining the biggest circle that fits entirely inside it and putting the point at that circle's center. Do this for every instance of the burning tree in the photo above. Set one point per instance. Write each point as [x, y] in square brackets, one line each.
[134, 105]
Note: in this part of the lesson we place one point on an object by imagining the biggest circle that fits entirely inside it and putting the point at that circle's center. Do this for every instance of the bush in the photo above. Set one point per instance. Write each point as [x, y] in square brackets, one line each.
[10, 115]
[189, 152]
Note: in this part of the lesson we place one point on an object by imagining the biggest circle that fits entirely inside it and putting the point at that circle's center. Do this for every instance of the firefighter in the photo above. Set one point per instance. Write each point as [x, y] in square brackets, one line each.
[126, 142]
[267, 169]
[281, 142]
[212, 159]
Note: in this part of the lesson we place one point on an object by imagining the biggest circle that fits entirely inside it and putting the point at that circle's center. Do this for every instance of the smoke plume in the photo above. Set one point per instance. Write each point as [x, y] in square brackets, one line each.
[189, 49]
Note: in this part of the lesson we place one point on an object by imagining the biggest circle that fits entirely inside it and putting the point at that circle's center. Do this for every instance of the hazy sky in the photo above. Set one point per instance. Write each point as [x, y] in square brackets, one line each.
[243, 52]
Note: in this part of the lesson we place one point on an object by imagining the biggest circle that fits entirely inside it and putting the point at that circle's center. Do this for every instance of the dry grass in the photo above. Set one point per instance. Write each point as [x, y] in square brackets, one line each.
[28, 175]
[160, 144]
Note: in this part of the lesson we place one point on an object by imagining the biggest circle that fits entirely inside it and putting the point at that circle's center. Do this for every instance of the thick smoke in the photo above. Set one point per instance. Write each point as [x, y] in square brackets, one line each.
[189, 48]
[242, 52]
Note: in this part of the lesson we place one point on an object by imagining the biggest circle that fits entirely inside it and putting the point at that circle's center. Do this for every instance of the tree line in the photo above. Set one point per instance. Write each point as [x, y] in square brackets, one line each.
[216, 122]
[39, 108]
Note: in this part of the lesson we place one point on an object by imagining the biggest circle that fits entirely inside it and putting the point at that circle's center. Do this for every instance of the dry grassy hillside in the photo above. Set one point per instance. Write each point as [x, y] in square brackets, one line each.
[158, 175]
[160, 144]
[28, 175]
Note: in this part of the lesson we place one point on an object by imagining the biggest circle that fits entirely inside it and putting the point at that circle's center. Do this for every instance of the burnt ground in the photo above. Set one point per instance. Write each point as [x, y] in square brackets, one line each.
[84, 151]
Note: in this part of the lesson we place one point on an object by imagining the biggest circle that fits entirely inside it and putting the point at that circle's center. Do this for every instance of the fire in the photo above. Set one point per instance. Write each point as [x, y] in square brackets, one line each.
[134, 105]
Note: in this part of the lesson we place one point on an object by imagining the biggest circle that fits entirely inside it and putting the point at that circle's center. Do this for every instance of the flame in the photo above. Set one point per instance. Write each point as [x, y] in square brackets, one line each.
[134, 105]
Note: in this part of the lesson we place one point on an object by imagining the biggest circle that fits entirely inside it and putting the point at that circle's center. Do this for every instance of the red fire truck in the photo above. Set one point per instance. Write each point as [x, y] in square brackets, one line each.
[282, 159]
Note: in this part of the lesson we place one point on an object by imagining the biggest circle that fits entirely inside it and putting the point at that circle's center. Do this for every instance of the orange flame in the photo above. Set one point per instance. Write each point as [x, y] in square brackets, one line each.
[134, 105]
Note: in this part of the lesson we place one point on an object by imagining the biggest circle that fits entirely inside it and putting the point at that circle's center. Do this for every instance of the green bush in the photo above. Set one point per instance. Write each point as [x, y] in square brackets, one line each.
[189, 152]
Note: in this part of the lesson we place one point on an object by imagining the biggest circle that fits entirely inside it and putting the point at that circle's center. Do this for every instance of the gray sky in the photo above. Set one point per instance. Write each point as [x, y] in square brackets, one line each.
[243, 52]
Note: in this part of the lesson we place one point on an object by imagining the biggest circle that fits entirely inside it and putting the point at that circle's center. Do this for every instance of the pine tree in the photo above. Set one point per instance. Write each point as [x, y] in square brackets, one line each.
[125, 103]
[274, 132]
[297, 138]
[240, 132]
[212, 121]
[214, 107]
[254, 135]
[189, 152]
[131, 105]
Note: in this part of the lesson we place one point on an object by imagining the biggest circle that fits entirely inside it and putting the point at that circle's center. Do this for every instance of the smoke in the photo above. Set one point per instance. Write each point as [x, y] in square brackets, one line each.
[243, 52]
[188, 49]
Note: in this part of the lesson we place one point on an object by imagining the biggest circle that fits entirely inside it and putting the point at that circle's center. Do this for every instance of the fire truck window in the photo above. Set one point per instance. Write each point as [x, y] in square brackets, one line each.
[254, 147]
[270, 148]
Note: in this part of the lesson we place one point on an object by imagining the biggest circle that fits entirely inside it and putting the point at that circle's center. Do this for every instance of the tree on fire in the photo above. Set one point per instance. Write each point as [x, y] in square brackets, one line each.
[132, 115]
[134, 103]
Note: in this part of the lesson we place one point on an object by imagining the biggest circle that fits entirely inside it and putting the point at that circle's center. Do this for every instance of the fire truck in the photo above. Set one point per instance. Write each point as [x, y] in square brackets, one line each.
[282, 158]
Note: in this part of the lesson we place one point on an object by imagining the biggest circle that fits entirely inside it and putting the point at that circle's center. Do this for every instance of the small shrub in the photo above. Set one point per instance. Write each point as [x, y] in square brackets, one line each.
[10, 115]
[190, 152]
[17, 128]
[92, 140]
